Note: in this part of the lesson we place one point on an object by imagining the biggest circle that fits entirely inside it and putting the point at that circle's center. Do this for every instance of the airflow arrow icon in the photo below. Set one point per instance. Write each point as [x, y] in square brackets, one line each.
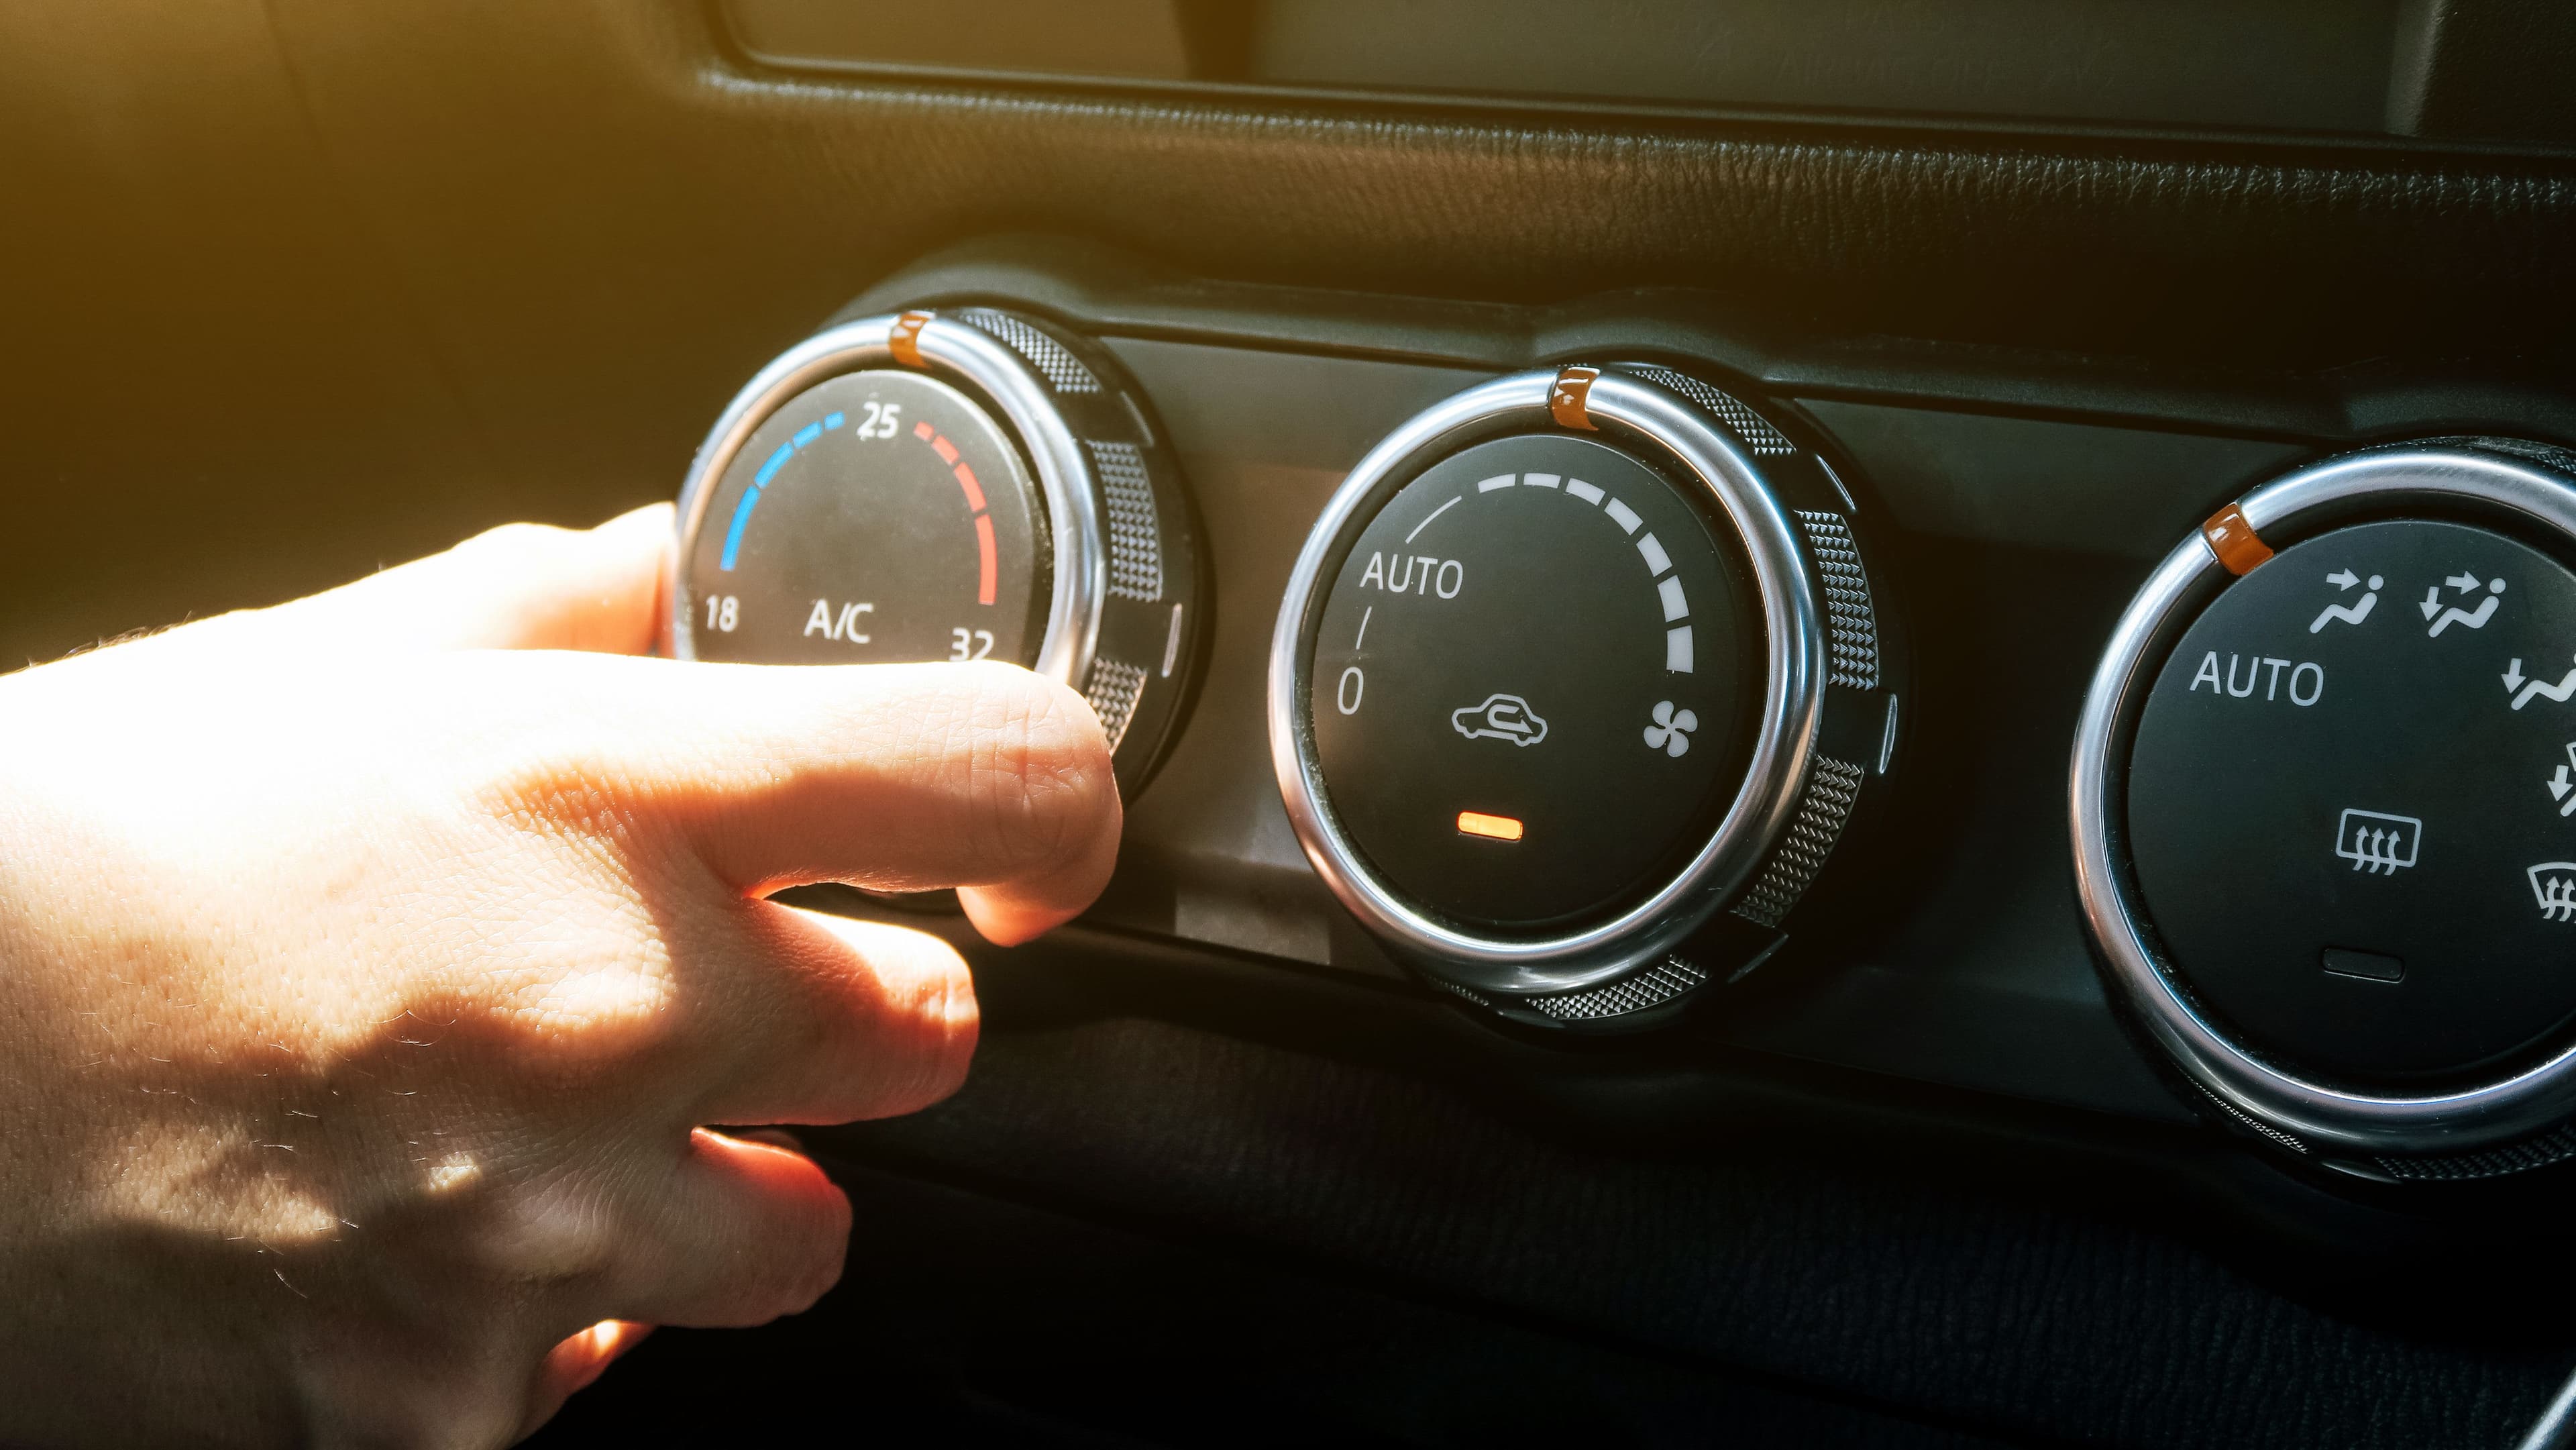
[2558, 692]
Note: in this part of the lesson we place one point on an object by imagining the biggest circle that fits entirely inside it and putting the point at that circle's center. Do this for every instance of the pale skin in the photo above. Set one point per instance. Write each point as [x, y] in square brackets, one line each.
[372, 969]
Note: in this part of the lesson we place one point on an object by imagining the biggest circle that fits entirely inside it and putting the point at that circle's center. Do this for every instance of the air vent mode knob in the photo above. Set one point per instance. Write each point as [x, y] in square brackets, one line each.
[2324, 804]
[1579, 682]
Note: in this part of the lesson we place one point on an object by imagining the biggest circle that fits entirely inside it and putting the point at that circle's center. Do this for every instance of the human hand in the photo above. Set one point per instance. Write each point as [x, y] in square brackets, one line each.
[371, 966]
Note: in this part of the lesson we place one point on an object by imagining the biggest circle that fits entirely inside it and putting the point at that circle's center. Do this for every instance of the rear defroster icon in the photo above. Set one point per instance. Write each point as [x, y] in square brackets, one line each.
[2376, 842]
[2553, 886]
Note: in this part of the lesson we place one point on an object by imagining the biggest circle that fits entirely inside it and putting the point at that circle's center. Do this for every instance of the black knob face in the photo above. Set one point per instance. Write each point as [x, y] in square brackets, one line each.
[880, 516]
[1532, 682]
[2352, 803]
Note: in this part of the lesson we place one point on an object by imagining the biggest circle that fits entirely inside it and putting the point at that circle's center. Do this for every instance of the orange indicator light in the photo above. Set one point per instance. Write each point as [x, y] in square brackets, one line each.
[1492, 828]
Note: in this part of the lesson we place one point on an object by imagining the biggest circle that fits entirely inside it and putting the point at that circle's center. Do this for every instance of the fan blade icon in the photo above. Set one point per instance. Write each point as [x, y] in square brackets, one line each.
[1671, 731]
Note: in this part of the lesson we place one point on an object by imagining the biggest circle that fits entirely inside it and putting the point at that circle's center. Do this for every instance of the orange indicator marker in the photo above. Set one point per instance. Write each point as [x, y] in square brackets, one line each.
[1492, 828]
[985, 571]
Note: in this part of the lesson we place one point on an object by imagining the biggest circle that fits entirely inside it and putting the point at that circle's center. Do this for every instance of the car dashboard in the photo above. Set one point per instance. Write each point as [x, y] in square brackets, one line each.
[1840, 723]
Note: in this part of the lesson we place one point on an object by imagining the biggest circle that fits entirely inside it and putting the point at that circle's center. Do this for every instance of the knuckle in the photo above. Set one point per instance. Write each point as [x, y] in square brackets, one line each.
[913, 1018]
[510, 545]
[555, 785]
[950, 1022]
[812, 1261]
[553, 1235]
[789, 1265]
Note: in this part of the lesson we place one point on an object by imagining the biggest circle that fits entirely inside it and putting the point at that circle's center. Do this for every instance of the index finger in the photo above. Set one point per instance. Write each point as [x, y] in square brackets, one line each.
[984, 777]
[520, 586]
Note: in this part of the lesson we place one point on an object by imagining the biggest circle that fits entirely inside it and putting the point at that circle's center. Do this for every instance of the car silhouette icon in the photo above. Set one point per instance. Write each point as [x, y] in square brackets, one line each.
[1501, 717]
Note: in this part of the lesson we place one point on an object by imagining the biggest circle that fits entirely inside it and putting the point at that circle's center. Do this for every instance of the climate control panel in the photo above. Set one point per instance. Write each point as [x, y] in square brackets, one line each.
[1588, 687]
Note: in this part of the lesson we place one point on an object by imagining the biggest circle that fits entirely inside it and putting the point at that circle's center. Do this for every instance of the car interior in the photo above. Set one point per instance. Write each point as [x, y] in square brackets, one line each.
[1842, 723]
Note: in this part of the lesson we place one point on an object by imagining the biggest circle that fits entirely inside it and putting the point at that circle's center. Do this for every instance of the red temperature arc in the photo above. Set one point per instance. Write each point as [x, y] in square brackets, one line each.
[984, 560]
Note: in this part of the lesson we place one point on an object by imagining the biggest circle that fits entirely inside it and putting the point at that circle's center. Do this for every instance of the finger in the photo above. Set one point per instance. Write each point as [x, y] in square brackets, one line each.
[571, 1366]
[898, 777]
[741, 1233]
[774, 1137]
[520, 586]
[836, 1020]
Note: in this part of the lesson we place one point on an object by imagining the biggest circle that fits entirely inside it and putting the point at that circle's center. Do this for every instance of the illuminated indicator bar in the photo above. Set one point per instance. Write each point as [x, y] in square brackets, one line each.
[1677, 649]
[1657, 561]
[1492, 828]
[986, 566]
[1538, 480]
[923, 431]
[1503, 480]
[1622, 515]
[741, 520]
[769, 470]
[946, 450]
[1583, 491]
[1675, 607]
[974, 491]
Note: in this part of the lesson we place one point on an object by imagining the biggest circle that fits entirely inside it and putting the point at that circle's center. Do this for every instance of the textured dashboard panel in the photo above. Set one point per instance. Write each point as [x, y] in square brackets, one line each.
[1891, 1282]
[571, 230]
[622, 224]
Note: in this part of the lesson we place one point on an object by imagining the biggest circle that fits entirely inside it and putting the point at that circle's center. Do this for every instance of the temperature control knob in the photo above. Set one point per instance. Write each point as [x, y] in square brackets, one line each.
[1578, 684]
[2324, 817]
[952, 486]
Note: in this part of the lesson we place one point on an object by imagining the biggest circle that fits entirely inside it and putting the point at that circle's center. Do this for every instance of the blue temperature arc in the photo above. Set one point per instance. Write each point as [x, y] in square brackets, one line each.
[760, 480]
